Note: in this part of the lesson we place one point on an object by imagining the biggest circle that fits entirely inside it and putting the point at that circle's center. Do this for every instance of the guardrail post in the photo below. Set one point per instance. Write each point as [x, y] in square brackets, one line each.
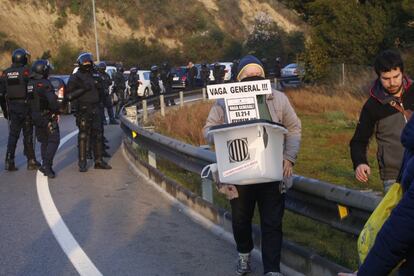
[145, 111]
[207, 189]
[162, 103]
[152, 159]
[181, 98]
[204, 93]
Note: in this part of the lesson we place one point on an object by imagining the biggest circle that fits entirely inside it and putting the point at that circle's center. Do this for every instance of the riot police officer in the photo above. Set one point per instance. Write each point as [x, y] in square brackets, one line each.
[205, 74]
[81, 86]
[16, 78]
[218, 73]
[167, 80]
[45, 113]
[3, 104]
[119, 88]
[107, 82]
[155, 85]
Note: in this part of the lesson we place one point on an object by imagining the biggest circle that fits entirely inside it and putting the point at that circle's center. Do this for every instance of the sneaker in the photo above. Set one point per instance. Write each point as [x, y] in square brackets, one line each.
[273, 274]
[243, 264]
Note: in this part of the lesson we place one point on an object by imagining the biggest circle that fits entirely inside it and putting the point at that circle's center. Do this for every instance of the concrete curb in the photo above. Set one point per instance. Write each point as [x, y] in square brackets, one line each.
[294, 257]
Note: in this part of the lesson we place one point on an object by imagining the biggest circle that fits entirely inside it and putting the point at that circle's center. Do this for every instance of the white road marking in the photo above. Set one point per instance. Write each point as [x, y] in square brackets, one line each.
[70, 246]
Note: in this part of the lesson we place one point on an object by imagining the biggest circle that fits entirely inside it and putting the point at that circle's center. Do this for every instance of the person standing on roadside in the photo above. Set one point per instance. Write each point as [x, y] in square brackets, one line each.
[384, 115]
[205, 74]
[45, 113]
[167, 79]
[191, 75]
[82, 88]
[119, 88]
[270, 196]
[16, 78]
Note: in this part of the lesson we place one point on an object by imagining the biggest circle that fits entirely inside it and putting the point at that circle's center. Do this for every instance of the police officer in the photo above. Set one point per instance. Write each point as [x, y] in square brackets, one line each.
[45, 113]
[218, 73]
[167, 80]
[155, 85]
[100, 84]
[81, 86]
[205, 74]
[3, 104]
[16, 78]
[107, 82]
[119, 88]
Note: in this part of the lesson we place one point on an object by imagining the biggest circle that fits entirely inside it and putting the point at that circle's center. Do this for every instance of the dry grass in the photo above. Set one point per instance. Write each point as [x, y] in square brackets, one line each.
[320, 99]
[185, 124]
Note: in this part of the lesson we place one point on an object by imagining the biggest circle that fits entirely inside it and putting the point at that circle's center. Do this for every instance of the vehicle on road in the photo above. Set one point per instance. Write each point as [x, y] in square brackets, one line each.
[292, 70]
[59, 83]
[179, 77]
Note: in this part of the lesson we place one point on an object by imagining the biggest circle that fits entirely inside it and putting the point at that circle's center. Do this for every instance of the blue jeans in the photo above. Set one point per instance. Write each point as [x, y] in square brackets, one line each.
[271, 205]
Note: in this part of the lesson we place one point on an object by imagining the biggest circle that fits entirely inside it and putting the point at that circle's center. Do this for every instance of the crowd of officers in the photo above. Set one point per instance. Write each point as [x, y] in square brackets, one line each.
[29, 102]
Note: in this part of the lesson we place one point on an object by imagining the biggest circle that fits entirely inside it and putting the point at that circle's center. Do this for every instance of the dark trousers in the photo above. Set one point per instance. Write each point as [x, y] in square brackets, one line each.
[49, 142]
[19, 116]
[271, 205]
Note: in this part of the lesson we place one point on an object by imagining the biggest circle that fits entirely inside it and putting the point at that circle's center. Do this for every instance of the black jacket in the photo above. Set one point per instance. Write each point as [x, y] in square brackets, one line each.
[84, 83]
[378, 117]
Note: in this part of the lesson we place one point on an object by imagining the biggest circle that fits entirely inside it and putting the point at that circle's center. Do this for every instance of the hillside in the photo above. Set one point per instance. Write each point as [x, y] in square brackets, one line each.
[47, 25]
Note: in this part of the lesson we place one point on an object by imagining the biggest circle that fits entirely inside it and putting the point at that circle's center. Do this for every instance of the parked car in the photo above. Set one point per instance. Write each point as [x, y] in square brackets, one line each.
[179, 77]
[59, 83]
[292, 70]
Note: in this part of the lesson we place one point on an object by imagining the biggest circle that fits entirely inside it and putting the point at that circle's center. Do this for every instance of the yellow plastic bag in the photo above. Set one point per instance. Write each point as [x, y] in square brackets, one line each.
[368, 234]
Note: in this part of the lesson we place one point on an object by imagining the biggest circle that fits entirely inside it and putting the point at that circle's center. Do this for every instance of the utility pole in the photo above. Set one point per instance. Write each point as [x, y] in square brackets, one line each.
[96, 32]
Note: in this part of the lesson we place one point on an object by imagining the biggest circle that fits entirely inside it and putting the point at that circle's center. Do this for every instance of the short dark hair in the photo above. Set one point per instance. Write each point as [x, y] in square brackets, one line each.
[388, 60]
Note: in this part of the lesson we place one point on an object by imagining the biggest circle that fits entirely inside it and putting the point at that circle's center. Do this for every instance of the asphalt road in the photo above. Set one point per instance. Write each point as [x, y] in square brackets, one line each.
[123, 224]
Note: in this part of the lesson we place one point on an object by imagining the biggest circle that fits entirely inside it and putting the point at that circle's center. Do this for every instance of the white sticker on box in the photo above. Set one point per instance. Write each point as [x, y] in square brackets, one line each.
[239, 89]
[240, 168]
[242, 109]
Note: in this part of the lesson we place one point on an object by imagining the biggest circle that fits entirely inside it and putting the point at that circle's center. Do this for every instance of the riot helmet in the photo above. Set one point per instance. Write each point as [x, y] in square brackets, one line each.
[85, 61]
[133, 70]
[41, 67]
[154, 68]
[20, 56]
[101, 66]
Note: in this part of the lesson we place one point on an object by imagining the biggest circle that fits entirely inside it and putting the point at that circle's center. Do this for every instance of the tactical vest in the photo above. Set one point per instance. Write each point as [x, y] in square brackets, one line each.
[36, 90]
[16, 79]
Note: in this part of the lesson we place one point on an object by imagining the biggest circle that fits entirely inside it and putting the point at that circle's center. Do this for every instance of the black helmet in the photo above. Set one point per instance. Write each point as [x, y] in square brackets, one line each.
[85, 61]
[20, 56]
[119, 68]
[41, 67]
[133, 70]
[101, 66]
[154, 68]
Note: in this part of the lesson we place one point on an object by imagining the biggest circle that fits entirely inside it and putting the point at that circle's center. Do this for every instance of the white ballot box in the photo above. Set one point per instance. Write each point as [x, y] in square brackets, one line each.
[249, 152]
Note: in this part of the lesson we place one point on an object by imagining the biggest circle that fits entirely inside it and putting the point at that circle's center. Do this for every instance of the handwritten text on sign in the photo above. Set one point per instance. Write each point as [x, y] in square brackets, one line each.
[242, 109]
[239, 89]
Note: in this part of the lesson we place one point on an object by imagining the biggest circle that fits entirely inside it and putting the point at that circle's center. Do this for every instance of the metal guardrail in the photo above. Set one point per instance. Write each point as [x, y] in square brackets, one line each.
[312, 198]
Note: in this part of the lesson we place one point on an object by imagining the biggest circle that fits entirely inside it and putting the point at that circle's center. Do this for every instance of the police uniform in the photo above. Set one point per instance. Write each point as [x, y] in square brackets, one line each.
[16, 78]
[167, 80]
[44, 111]
[81, 86]
[119, 88]
[155, 85]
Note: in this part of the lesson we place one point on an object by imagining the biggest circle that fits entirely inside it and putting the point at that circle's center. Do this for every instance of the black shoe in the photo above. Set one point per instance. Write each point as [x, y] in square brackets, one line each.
[47, 171]
[10, 166]
[102, 165]
[82, 166]
[106, 154]
[32, 164]
[113, 122]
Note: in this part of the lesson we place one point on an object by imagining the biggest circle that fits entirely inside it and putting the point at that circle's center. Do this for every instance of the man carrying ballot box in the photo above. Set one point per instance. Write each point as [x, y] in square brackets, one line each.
[269, 196]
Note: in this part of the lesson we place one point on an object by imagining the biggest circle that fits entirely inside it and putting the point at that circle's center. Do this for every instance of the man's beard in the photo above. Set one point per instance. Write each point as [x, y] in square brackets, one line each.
[396, 91]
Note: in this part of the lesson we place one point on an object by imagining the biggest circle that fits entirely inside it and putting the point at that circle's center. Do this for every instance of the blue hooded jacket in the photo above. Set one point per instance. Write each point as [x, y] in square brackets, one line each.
[395, 240]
